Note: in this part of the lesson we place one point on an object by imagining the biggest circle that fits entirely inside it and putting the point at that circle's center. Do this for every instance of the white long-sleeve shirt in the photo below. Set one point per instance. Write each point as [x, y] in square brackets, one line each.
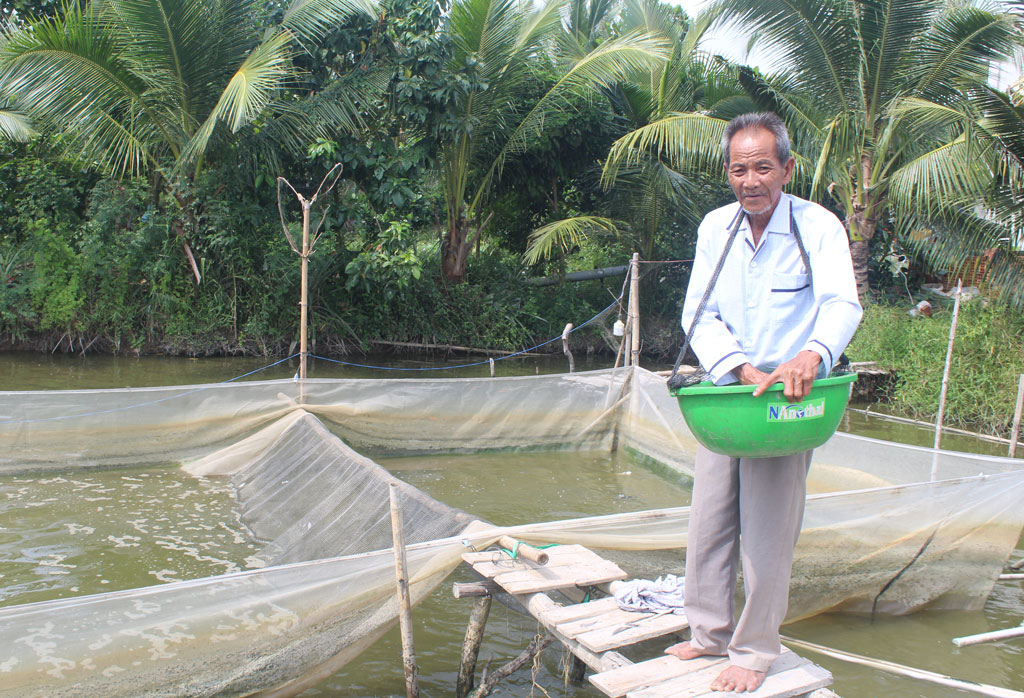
[764, 309]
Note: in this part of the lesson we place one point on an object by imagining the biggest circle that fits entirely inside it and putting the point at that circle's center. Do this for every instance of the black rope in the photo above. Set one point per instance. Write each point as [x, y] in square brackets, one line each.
[734, 227]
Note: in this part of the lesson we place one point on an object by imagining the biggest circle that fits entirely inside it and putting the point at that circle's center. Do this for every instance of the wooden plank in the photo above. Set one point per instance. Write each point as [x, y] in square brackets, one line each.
[565, 614]
[618, 682]
[547, 578]
[614, 618]
[790, 675]
[647, 628]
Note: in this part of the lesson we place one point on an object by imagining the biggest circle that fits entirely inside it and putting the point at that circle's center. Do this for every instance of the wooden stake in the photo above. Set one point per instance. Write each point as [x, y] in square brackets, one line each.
[1015, 432]
[634, 310]
[945, 382]
[471, 645]
[465, 590]
[491, 362]
[412, 689]
[565, 347]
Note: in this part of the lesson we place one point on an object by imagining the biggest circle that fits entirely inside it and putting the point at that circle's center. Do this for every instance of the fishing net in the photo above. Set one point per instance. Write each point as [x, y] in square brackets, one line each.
[888, 528]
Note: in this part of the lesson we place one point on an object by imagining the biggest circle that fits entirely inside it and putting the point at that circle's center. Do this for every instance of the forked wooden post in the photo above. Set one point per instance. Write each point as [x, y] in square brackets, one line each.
[412, 689]
[945, 382]
[308, 243]
[1015, 432]
[471, 645]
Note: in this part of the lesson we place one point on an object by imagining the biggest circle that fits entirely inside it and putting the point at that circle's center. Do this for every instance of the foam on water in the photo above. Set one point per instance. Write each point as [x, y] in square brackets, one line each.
[107, 530]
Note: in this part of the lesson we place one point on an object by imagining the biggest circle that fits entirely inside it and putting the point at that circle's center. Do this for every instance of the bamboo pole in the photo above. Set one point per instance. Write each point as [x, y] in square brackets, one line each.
[412, 689]
[523, 550]
[902, 670]
[471, 645]
[634, 309]
[304, 300]
[1006, 634]
[1015, 432]
[945, 381]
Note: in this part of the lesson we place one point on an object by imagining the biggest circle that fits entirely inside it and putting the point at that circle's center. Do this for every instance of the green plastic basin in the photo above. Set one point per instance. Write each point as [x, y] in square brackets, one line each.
[727, 419]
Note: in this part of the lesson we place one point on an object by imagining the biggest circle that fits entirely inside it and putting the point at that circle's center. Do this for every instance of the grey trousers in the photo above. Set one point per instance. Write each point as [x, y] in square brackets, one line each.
[749, 508]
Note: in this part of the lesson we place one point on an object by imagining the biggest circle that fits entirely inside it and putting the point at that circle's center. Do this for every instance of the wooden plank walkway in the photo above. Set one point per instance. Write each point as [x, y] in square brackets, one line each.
[595, 630]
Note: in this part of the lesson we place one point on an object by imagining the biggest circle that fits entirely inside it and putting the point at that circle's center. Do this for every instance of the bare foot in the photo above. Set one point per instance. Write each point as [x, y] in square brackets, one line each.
[683, 650]
[738, 679]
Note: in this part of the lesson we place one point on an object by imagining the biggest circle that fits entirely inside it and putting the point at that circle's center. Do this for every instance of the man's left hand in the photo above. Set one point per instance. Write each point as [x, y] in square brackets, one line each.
[796, 375]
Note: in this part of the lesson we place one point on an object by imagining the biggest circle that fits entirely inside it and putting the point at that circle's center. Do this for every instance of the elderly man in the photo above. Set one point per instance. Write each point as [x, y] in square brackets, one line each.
[783, 309]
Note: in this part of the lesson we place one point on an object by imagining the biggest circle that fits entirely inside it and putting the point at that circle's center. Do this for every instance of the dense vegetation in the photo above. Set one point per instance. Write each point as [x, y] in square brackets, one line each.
[482, 142]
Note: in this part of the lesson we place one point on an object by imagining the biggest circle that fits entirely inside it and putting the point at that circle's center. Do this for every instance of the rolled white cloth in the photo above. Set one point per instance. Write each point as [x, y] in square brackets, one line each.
[663, 595]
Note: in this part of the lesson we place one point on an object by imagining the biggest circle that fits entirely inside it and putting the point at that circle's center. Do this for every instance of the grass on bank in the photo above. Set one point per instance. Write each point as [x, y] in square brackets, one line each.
[987, 359]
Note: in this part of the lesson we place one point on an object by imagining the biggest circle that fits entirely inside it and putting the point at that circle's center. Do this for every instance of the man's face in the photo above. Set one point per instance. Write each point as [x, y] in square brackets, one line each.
[755, 173]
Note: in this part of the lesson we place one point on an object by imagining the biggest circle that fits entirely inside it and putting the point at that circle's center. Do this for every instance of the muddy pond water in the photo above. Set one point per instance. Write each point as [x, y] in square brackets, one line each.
[68, 534]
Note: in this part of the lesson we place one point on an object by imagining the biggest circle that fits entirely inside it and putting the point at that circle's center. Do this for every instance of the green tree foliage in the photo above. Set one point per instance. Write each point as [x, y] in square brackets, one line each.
[150, 86]
[496, 45]
[848, 67]
[647, 200]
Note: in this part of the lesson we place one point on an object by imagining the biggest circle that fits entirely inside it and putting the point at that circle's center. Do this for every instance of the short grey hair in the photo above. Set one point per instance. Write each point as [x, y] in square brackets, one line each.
[769, 121]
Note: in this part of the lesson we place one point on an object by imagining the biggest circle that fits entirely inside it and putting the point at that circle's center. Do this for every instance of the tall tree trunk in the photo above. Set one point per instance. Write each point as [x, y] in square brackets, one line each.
[859, 252]
[454, 251]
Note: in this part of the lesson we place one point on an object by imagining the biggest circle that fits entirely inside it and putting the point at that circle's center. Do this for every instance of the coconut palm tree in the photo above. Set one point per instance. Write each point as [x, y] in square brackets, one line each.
[969, 198]
[496, 45]
[643, 190]
[848, 65]
[148, 86]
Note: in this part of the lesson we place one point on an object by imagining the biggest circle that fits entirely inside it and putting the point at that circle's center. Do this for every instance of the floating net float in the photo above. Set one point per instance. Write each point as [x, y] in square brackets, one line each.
[880, 535]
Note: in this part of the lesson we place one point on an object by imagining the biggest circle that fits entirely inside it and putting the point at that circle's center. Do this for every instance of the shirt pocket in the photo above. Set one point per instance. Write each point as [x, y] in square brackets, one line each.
[786, 287]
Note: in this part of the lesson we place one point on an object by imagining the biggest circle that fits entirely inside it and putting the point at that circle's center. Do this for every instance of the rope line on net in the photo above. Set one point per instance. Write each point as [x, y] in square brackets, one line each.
[288, 358]
[143, 404]
[615, 302]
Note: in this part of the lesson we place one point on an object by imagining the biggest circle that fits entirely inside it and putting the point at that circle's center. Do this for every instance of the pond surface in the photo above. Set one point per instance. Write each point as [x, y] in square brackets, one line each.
[68, 535]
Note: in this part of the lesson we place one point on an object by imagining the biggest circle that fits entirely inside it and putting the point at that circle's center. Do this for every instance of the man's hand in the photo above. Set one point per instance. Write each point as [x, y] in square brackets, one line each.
[796, 375]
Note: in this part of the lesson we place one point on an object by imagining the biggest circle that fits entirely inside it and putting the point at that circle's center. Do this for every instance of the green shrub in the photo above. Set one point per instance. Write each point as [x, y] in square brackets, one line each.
[988, 357]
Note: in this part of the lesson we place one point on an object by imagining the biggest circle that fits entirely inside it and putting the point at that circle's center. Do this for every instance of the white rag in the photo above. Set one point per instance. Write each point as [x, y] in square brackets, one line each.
[663, 595]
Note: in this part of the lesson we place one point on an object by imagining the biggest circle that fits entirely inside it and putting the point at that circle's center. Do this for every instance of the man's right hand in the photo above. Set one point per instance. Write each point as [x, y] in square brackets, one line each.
[749, 375]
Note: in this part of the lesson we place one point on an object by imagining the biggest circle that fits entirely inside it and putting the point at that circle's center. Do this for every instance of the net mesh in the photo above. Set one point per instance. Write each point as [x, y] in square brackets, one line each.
[880, 533]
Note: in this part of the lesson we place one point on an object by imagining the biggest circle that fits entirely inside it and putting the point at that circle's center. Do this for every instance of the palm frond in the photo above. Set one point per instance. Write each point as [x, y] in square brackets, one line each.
[964, 232]
[564, 234]
[960, 46]
[887, 30]
[955, 173]
[602, 67]
[1003, 121]
[247, 93]
[812, 38]
[312, 20]
[15, 126]
[688, 142]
